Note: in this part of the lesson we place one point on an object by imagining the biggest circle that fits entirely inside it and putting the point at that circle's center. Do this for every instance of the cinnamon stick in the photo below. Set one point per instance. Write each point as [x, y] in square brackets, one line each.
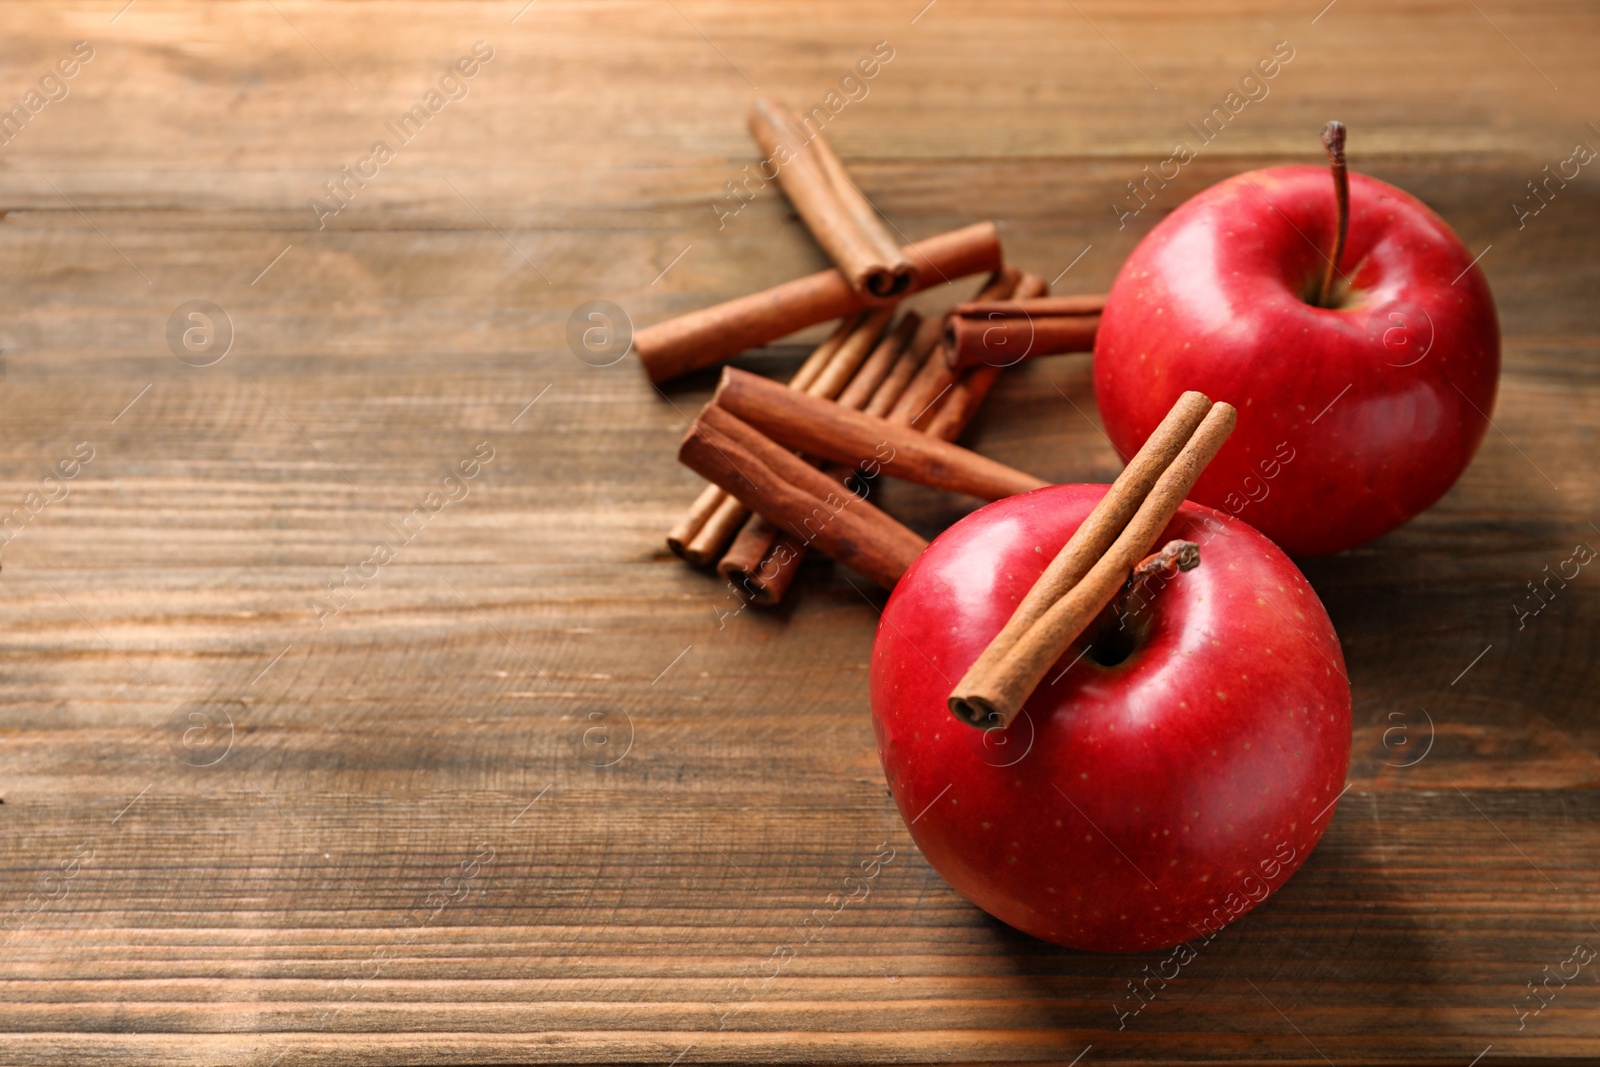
[905, 368]
[706, 337]
[694, 519]
[1096, 560]
[1094, 536]
[1001, 333]
[743, 563]
[821, 428]
[1004, 341]
[814, 364]
[1036, 305]
[961, 403]
[730, 516]
[934, 378]
[838, 371]
[712, 498]
[702, 549]
[876, 367]
[952, 414]
[797, 497]
[762, 561]
[831, 206]
[861, 209]
[768, 581]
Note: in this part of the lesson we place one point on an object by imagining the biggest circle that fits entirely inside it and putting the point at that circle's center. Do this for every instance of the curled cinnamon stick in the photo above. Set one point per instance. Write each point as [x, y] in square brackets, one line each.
[821, 428]
[876, 367]
[730, 516]
[750, 562]
[820, 356]
[903, 268]
[1093, 564]
[706, 337]
[772, 577]
[960, 404]
[690, 537]
[905, 368]
[702, 549]
[1007, 342]
[1037, 305]
[934, 377]
[750, 565]
[1004, 333]
[800, 499]
[833, 209]
[693, 520]
[838, 371]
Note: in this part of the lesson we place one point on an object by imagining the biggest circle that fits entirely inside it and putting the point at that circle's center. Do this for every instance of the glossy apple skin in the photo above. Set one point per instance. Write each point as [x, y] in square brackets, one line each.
[1212, 299]
[1128, 808]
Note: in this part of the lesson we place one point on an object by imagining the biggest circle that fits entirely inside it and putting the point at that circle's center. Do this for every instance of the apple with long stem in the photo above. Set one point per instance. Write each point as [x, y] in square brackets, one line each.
[1174, 769]
[1347, 323]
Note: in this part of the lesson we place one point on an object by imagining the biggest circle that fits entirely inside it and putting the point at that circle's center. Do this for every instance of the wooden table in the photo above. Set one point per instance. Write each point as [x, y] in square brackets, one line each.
[527, 791]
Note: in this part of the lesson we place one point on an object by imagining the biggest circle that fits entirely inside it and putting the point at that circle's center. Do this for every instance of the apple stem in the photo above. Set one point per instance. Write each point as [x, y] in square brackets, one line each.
[1184, 555]
[1333, 141]
[1179, 554]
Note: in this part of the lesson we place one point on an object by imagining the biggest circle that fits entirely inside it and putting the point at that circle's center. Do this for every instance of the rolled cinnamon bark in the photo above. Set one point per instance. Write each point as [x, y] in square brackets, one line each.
[706, 337]
[820, 356]
[1024, 304]
[961, 403]
[693, 520]
[976, 341]
[951, 416]
[707, 544]
[762, 560]
[831, 206]
[771, 578]
[1094, 563]
[866, 216]
[730, 516]
[810, 508]
[1105, 522]
[750, 562]
[838, 372]
[905, 368]
[875, 368]
[684, 539]
[1000, 333]
[821, 428]
[743, 563]
[934, 378]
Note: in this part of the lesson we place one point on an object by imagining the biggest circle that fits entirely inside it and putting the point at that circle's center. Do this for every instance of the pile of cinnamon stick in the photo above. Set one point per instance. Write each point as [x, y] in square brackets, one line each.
[887, 393]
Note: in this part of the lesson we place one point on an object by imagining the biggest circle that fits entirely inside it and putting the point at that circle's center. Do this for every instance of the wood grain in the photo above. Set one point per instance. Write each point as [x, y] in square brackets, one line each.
[539, 793]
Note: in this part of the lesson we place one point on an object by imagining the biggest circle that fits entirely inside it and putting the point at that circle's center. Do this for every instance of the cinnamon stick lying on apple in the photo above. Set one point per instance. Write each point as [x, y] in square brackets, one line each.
[833, 209]
[824, 429]
[711, 335]
[1094, 563]
[1003, 333]
[808, 505]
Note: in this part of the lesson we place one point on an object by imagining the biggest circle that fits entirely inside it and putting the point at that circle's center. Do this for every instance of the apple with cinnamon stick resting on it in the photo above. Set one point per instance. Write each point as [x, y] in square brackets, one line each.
[1147, 741]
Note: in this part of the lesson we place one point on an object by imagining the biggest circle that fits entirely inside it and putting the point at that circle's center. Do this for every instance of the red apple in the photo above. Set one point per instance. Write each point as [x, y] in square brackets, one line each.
[1156, 786]
[1353, 416]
